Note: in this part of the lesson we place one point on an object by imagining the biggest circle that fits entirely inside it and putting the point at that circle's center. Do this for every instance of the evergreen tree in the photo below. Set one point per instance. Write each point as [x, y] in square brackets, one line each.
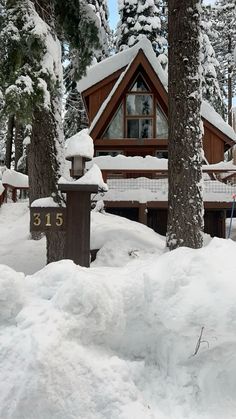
[211, 91]
[138, 19]
[223, 39]
[185, 213]
[31, 72]
[76, 117]
[101, 11]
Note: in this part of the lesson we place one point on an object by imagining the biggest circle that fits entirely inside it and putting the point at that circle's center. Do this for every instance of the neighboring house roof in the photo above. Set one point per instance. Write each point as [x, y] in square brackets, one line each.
[124, 61]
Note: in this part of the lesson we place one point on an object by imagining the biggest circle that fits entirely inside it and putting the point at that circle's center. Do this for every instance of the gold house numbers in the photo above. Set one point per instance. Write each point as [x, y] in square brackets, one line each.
[50, 218]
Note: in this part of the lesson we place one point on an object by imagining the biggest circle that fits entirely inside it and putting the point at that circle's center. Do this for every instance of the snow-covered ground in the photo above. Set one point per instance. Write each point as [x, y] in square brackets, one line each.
[116, 341]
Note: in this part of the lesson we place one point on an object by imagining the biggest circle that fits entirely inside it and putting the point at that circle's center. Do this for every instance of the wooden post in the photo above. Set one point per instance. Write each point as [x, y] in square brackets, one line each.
[78, 221]
[143, 214]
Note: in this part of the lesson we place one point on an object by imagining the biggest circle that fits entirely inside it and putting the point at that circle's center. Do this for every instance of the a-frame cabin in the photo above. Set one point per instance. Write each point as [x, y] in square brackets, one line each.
[126, 101]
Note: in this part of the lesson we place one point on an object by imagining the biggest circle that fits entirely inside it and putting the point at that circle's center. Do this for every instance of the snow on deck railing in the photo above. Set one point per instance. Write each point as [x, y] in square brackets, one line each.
[123, 185]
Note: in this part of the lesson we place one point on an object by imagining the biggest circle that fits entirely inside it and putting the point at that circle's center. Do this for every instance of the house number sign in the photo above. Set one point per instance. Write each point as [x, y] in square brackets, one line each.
[47, 219]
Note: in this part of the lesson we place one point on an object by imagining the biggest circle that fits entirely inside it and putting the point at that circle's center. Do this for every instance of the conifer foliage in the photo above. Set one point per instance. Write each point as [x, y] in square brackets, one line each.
[211, 91]
[140, 18]
[223, 16]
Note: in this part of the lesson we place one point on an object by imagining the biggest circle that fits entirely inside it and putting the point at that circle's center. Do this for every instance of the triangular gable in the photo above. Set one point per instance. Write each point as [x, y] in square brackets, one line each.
[139, 64]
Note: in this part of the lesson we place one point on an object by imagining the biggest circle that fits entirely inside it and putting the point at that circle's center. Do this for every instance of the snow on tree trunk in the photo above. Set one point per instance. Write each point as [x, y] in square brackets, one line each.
[185, 215]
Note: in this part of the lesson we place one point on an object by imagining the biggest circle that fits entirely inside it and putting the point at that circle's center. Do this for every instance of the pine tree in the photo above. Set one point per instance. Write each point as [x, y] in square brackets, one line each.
[223, 38]
[138, 19]
[211, 91]
[101, 11]
[185, 214]
[75, 117]
[31, 72]
[94, 28]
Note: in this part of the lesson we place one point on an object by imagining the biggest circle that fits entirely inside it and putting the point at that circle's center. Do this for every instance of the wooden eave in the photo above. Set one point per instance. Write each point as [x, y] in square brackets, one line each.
[154, 81]
[217, 132]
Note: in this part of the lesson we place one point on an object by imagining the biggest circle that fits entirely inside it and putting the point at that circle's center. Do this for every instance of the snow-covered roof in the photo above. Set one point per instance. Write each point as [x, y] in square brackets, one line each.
[80, 144]
[100, 71]
[1, 188]
[121, 162]
[209, 113]
[16, 179]
[110, 65]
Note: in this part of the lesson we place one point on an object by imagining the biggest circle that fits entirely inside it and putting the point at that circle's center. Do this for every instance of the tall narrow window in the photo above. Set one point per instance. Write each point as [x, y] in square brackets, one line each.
[115, 128]
[161, 124]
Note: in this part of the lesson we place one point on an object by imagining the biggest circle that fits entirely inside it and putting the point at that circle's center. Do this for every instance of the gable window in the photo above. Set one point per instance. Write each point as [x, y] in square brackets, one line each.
[139, 110]
[139, 115]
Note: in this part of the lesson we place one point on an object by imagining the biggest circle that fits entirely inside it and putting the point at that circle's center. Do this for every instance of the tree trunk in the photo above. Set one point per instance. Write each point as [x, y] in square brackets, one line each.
[19, 137]
[230, 89]
[9, 140]
[43, 172]
[43, 160]
[185, 215]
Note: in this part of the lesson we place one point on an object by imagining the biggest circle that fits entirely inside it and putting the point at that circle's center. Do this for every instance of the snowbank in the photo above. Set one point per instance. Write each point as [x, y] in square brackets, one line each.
[118, 343]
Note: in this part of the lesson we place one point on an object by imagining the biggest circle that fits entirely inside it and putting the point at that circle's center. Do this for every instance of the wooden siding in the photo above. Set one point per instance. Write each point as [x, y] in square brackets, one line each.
[213, 146]
[97, 98]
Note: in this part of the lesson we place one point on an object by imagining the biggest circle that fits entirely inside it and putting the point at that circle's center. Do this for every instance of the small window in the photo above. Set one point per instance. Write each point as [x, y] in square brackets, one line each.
[140, 85]
[115, 128]
[161, 124]
[162, 154]
[112, 153]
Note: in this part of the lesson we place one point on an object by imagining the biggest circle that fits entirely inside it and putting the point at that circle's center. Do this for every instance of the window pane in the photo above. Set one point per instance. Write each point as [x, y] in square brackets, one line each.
[108, 153]
[139, 105]
[140, 85]
[162, 154]
[161, 124]
[115, 128]
[146, 128]
[132, 128]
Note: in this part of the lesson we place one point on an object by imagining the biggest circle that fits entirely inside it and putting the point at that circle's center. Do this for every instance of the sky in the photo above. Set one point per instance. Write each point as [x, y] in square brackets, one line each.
[114, 15]
[113, 12]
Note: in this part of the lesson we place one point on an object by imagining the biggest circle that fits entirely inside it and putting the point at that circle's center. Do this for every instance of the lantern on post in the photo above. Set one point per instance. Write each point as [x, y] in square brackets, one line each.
[79, 149]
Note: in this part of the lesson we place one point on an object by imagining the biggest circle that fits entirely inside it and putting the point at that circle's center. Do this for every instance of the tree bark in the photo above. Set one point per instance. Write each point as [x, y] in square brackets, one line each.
[9, 140]
[230, 88]
[43, 169]
[185, 215]
[43, 161]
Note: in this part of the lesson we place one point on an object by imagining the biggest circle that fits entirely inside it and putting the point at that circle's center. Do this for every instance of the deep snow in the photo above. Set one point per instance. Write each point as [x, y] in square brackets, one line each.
[116, 342]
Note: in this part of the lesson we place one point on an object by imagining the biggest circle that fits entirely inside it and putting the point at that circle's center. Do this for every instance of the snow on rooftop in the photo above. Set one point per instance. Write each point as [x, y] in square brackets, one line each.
[16, 179]
[121, 162]
[209, 113]
[80, 144]
[1, 188]
[100, 71]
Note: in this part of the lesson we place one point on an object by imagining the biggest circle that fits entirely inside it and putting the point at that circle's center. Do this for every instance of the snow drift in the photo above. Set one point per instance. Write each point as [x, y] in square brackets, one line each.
[118, 343]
